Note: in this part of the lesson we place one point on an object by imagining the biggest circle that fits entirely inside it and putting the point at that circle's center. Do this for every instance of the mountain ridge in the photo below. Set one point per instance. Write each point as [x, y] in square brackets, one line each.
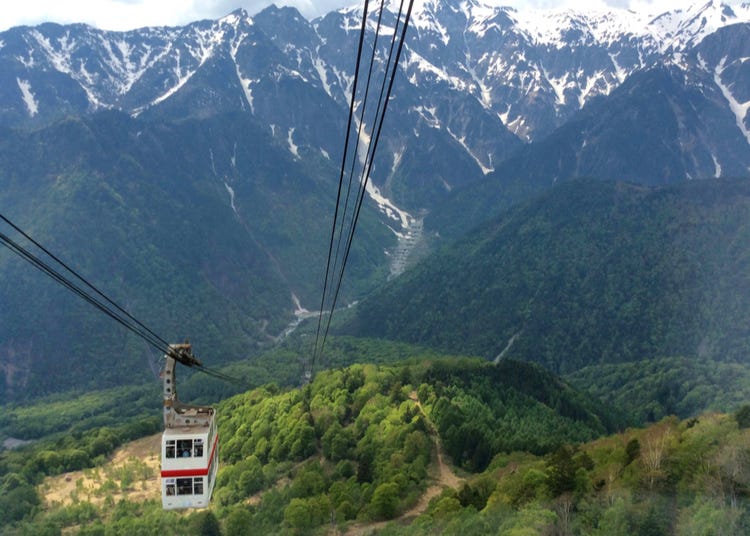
[501, 67]
[512, 57]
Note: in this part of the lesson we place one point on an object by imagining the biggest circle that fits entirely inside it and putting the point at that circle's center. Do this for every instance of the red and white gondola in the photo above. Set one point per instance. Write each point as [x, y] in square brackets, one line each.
[190, 442]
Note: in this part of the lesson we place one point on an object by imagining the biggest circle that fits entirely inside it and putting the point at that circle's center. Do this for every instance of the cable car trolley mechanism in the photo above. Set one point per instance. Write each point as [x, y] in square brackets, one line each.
[189, 444]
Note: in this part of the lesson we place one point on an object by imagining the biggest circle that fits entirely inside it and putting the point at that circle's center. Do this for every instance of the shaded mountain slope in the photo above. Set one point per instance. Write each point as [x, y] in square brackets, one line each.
[202, 229]
[589, 272]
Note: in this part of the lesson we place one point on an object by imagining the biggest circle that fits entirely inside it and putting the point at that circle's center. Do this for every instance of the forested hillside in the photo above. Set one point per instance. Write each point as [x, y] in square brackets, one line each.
[191, 173]
[673, 477]
[588, 273]
[649, 390]
[447, 446]
[355, 444]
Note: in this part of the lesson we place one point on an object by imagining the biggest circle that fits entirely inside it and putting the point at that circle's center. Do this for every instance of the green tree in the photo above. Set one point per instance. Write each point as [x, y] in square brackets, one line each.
[337, 442]
[304, 514]
[445, 507]
[309, 481]
[204, 524]
[615, 520]
[742, 416]
[16, 503]
[561, 472]
[237, 522]
[632, 450]
[251, 478]
[385, 501]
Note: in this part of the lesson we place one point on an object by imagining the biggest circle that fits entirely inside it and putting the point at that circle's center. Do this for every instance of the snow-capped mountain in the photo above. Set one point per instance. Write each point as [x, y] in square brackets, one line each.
[477, 81]
[479, 77]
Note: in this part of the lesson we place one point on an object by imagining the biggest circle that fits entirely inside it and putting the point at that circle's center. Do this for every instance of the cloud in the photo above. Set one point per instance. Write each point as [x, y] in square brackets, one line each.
[309, 8]
[128, 14]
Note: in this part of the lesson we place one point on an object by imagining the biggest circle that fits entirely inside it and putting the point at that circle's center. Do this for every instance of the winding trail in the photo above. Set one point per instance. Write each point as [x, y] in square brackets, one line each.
[445, 478]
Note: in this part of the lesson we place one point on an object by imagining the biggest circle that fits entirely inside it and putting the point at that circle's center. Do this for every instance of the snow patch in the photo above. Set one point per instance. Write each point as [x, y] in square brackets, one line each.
[388, 208]
[717, 167]
[421, 66]
[120, 61]
[298, 309]
[201, 50]
[233, 20]
[320, 67]
[397, 156]
[32, 106]
[28, 63]
[739, 109]
[517, 126]
[290, 141]
[485, 91]
[424, 20]
[702, 62]
[588, 89]
[620, 73]
[60, 59]
[231, 198]
[558, 85]
[181, 77]
[213, 165]
[429, 115]
[245, 83]
[246, 89]
[462, 141]
[89, 78]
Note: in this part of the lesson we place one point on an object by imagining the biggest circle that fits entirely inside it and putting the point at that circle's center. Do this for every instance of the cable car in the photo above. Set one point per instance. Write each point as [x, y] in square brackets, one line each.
[189, 444]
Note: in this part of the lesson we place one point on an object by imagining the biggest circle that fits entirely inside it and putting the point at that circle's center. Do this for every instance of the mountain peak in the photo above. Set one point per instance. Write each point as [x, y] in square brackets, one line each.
[235, 17]
[680, 29]
[530, 69]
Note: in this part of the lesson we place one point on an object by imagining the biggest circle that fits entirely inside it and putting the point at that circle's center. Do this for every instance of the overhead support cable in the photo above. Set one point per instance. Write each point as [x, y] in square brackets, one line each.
[99, 300]
[360, 126]
[389, 70]
[341, 180]
[77, 290]
[368, 166]
[83, 280]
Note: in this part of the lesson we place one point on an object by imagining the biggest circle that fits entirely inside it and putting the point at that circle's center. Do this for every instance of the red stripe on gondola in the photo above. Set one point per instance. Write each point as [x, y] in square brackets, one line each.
[184, 472]
[192, 472]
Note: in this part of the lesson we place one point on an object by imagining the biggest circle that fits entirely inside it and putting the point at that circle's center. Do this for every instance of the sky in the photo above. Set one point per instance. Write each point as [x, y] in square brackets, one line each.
[129, 14]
